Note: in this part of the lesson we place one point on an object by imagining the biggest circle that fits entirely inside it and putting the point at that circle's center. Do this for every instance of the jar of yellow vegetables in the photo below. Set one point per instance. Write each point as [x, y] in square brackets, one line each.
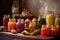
[50, 18]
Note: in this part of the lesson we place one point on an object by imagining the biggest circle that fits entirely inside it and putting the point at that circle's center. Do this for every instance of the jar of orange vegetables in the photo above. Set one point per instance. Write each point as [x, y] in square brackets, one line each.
[11, 24]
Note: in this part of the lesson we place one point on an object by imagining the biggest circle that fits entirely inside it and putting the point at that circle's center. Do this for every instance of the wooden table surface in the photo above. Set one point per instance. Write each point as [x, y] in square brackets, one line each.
[18, 35]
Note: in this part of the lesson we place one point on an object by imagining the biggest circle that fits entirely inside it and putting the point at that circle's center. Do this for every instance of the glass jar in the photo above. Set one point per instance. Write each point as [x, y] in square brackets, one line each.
[5, 21]
[11, 24]
[50, 18]
[32, 26]
[15, 10]
[54, 30]
[15, 6]
[57, 20]
[27, 21]
[20, 25]
[40, 22]
[45, 31]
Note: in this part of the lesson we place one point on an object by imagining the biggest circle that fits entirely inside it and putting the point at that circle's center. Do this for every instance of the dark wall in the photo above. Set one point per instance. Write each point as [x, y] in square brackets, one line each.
[5, 8]
[21, 5]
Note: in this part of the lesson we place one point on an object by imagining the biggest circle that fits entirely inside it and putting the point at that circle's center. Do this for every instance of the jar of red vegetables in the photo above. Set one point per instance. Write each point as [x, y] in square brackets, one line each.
[5, 21]
[54, 30]
[45, 31]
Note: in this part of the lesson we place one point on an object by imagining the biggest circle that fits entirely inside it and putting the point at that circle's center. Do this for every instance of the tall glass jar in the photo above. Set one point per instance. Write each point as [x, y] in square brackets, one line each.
[57, 20]
[5, 21]
[50, 18]
[15, 6]
[11, 24]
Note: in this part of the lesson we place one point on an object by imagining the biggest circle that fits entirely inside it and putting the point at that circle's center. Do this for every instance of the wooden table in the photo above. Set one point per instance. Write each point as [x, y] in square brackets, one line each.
[18, 36]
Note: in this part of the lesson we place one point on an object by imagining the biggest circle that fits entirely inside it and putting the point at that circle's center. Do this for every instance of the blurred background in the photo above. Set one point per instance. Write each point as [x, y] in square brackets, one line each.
[36, 7]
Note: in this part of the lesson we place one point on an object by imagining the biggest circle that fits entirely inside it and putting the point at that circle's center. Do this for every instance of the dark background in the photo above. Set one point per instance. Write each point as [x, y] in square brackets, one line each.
[6, 8]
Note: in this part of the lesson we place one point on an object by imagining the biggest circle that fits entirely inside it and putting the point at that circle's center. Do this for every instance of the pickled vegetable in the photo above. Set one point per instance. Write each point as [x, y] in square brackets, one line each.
[35, 32]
